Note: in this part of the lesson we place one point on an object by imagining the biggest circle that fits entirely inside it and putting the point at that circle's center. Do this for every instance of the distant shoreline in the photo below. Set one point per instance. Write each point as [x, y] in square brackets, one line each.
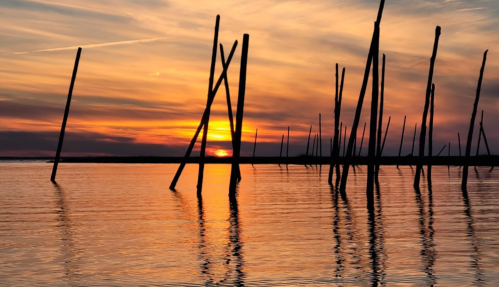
[300, 160]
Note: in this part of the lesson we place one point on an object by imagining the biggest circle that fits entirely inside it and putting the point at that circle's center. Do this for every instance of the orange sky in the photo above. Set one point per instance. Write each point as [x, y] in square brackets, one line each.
[142, 82]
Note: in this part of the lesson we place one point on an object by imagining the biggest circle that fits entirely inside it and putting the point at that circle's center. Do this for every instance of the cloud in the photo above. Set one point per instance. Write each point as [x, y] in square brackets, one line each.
[128, 42]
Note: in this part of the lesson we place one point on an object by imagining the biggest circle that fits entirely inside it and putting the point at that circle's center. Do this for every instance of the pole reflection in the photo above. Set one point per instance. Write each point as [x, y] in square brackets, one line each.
[68, 250]
[230, 270]
[475, 254]
[427, 232]
[377, 252]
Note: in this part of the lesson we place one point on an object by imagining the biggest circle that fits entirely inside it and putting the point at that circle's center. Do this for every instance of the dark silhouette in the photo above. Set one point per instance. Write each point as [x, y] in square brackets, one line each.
[422, 137]
[430, 132]
[203, 119]
[380, 118]
[386, 133]
[239, 116]
[337, 132]
[320, 135]
[414, 139]
[280, 153]
[254, 146]
[287, 149]
[208, 106]
[371, 154]
[308, 141]
[472, 124]
[353, 132]
[362, 140]
[402, 138]
[65, 118]
[438, 154]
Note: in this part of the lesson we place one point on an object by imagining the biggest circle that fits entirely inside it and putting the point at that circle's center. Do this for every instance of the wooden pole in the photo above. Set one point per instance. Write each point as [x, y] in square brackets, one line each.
[438, 154]
[335, 134]
[459, 142]
[472, 124]
[339, 142]
[362, 140]
[65, 118]
[313, 145]
[254, 146]
[422, 137]
[448, 165]
[414, 139]
[308, 141]
[344, 141]
[485, 139]
[229, 104]
[287, 149]
[239, 116]
[401, 140]
[479, 138]
[208, 108]
[320, 135]
[386, 133]
[201, 124]
[380, 118]
[280, 153]
[374, 116]
[430, 132]
[353, 132]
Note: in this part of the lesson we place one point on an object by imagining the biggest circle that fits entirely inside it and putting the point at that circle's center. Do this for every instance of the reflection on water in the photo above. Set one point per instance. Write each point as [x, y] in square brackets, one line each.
[119, 225]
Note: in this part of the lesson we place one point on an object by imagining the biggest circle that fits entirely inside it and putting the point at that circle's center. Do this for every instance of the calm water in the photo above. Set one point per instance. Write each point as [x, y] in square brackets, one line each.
[119, 225]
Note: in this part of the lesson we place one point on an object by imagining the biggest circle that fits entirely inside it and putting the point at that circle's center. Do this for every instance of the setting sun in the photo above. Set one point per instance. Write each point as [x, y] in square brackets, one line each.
[221, 153]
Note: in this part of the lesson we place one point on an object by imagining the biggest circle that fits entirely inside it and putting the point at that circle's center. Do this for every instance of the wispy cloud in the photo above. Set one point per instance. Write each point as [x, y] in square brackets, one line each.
[128, 42]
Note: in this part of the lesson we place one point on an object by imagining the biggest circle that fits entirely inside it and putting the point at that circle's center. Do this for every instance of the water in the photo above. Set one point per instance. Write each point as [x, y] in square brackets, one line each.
[119, 225]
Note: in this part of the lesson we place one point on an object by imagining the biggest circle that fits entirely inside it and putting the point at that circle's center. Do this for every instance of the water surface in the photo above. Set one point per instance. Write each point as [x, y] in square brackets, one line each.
[119, 225]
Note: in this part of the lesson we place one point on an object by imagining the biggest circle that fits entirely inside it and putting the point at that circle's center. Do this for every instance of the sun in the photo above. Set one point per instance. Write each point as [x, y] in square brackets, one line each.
[221, 153]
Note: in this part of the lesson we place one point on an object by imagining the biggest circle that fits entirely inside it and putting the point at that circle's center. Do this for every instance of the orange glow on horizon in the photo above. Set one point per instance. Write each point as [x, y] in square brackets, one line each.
[221, 153]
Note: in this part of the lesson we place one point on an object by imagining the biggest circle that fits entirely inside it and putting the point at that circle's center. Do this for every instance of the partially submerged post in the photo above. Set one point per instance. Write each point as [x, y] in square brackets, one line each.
[203, 119]
[414, 139]
[280, 153]
[422, 137]
[344, 141]
[374, 116]
[448, 165]
[65, 118]
[320, 136]
[459, 142]
[287, 149]
[353, 132]
[472, 124]
[254, 146]
[438, 154]
[313, 145]
[337, 132]
[239, 116]
[208, 107]
[362, 140]
[386, 133]
[308, 141]
[380, 118]
[401, 140]
[430, 132]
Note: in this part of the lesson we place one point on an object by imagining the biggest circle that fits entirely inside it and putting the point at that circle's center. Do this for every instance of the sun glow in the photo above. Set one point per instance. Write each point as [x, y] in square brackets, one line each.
[221, 153]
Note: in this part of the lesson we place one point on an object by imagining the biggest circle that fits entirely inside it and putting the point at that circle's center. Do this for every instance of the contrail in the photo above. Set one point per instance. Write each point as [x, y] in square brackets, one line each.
[94, 45]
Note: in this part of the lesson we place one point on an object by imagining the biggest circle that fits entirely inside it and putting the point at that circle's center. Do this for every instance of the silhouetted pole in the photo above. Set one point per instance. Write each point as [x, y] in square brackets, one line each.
[362, 140]
[254, 146]
[472, 124]
[374, 116]
[484, 137]
[208, 107]
[401, 140]
[313, 145]
[459, 142]
[448, 165]
[229, 104]
[65, 118]
[280, 153]
[339, 141]
[414, 139]
[287, 149]
[320, 136]
[386, 133]
[353, 132]
[422, 137]
[438, 154]
[380, 117]
[331, 146]
[317, 148]
[203, 119]
[308, 141]
[239, 116]
[344, 141]
[430, 132]
[334, 156]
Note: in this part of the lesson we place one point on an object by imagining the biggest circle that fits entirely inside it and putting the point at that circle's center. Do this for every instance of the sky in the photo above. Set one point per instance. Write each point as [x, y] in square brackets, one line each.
[142, 81]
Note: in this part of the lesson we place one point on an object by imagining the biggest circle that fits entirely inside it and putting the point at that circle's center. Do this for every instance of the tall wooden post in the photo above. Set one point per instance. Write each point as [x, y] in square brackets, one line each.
[430, 132]
[472, 124]
[459, 142]
[65, 118]
[401, 140]
[320, 136]
[374, 116]
[308, 141]
[353, 132]
[203, 120]
[239, 116]
[362, 139]
[287, 149]
[422, 137]
[386, 133]
[254, 146]
[380, 118]
[208, 107]
[280, 153]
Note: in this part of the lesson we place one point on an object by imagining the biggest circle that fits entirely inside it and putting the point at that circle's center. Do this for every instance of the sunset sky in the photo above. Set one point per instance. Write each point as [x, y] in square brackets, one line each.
[142, 82]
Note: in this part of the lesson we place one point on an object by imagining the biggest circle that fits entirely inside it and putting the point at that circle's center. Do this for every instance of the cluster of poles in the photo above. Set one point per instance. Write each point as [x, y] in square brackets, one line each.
[375, 144]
